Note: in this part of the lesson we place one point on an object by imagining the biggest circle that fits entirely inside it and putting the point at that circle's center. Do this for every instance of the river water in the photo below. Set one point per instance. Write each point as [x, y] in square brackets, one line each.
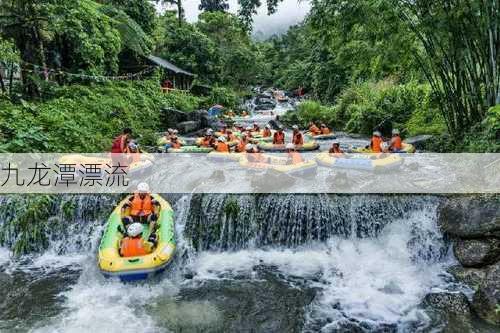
[368, 262]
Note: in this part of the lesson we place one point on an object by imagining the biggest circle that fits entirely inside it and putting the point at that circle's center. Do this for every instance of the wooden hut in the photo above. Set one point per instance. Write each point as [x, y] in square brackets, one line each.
[176, 77]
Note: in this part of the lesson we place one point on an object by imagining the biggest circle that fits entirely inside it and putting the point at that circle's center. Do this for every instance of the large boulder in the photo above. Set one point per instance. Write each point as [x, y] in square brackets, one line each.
[472, 277]
[486, 300]
[477, 252]
[471, 217]
[449, 312]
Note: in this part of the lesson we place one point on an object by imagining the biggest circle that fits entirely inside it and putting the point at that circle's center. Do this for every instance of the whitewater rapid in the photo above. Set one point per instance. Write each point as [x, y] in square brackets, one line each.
[375, 280]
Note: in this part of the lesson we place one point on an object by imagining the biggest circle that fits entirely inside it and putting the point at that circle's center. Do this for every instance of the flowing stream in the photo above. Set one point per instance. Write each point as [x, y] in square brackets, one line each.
[281, 263]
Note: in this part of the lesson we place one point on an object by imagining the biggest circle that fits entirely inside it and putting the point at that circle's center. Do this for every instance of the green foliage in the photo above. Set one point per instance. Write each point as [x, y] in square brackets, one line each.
[85, 39]
[363, 107]
[26, 232]
[187, 47]
[485, 137]
[141, 11]
[223, 96]
[86, 118]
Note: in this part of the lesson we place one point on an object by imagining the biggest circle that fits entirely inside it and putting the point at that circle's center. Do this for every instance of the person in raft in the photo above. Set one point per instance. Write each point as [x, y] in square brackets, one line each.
[221, 146]
[335, 150]
[376, 142]
[266, 133]
[132, 244]
[324, 129]
[294, 156]
[208, 140]
[141, 207]
[120, 148]
[313, 129]
[174, 142]
[279, 137]
[298, 138]
[396, 143]
[254, 154]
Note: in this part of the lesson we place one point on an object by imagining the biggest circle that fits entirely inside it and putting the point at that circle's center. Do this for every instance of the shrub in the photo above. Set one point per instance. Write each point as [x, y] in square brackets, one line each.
[86, 118]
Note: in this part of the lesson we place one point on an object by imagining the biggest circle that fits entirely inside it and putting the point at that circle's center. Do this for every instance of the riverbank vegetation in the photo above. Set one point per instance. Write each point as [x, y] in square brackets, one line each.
[426, 68]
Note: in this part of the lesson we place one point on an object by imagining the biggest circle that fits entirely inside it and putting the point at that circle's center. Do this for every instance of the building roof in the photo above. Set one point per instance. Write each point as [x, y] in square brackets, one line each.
[168, 65]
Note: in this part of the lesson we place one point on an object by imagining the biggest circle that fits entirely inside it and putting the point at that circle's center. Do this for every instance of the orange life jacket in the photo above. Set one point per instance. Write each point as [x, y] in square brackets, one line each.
[118, 144]
[175, 145]
[298, 140]
[207, 142]
[240, 148]
[325, 130]
[266, 133]
[279, 138]
[132, 247]
[396, 143]
[295, 157]
[375, 144]
[141, 207]
[314, 130]
[222, 147]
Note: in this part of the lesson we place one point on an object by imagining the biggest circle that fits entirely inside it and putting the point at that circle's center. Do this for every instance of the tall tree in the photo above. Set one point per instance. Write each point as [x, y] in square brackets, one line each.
[178, 4]
[248, 8]
[214, 5]
[461, 59]
[26, 21]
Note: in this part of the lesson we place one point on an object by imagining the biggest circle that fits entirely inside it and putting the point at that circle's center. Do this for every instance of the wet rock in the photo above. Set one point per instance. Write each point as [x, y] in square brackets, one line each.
[486, 300]
[471, 217]
[265, 305]
[477, 252]
[472, 277]
[448, 312]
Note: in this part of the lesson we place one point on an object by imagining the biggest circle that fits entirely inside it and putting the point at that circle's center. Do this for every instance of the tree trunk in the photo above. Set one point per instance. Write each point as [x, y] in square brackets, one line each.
[2, 84]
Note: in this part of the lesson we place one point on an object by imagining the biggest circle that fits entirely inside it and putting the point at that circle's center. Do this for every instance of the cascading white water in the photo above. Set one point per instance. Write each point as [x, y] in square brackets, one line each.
[361, 276]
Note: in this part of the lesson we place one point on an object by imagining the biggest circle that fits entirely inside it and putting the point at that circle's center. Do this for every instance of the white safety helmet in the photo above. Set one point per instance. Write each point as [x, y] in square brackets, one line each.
[249, 128]
[295, 127]
[268, 126]
[143, 188]
[336, 142]
[170, 130]
[135, 229]
[210, 131]
[249, 146]
[132, 145]
[221, 139]
[395, 131]
[290, 146]
[175, 131]
[377, 133]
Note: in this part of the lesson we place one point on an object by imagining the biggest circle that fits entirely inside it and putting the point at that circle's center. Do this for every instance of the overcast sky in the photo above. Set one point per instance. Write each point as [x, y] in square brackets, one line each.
[289, 12]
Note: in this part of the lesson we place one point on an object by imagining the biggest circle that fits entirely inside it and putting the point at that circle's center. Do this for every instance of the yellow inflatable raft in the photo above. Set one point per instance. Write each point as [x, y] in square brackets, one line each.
[368, 162]
[407, 148]
[279, 164]
[141, 267]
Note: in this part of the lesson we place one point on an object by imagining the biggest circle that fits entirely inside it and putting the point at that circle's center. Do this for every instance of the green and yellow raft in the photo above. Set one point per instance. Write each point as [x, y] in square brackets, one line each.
[112, 264]
[330, 136]
[190, 149]
[367, 162]
[269, 146]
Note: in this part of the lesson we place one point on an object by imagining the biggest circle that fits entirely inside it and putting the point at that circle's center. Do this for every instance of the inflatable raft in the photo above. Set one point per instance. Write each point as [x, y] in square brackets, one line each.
[269, 146]
[190, 149]
[368, 162]
[407, 148]
[279, 164]
[112, 264]
[330, 136]
[137, 167]
[224, 157]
